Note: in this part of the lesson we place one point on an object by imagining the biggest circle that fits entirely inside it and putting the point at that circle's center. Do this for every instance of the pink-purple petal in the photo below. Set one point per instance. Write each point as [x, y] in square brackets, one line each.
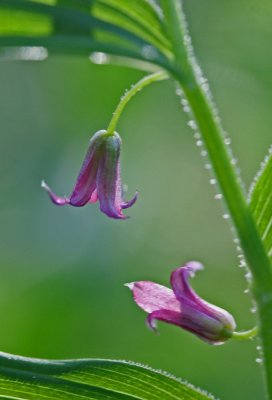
[128, 204]
[152, 297]
[86, 181]
[94, 197]
[168, 316]
[180, 280]
[59, 201]
[109, 180]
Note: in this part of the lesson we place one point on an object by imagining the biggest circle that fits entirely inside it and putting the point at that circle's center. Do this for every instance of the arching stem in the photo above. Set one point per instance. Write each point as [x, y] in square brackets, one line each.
[147, 80]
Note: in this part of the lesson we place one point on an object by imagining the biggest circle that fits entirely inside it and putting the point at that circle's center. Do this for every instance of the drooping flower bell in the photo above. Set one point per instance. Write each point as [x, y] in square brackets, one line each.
[99, 178]
[183, 307]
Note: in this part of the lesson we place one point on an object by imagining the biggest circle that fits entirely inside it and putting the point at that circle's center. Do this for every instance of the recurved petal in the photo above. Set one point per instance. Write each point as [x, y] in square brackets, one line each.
[152, 297]
[59, 201]
[128, 204]
[180, 281]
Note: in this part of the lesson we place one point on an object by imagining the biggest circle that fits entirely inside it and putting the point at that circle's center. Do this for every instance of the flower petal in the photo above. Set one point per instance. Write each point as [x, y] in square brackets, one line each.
[168, 316]
[152, 297]
[94, 197]
[109, 179]
[86, 181]
[180, 280]
[209, 322]
[130, 203]
[59, 201]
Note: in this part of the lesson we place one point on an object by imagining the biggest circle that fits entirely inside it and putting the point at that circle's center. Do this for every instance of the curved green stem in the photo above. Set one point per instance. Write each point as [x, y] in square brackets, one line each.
[147, 80]
[184, 70]
[245, 335]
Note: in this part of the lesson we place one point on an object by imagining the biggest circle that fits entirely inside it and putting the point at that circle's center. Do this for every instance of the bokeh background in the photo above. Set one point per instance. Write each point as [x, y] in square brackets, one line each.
[63, 269]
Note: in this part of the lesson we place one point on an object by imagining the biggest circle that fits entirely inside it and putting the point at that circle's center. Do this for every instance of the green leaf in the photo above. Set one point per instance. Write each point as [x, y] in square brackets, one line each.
[100, 25]
[138, 17]
[260, 201]
[34, 379]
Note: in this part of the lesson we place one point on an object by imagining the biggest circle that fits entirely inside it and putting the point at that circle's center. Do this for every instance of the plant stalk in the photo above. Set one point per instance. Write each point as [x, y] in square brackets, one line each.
[184, 70]
[147, 80]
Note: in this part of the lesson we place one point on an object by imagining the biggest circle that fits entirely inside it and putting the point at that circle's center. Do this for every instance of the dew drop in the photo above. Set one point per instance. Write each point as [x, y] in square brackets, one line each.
[225, 216]
[205, 87]
[208, 166]
[179, 92]
[259, 348]
[192, 124]
[186, 109]
[233, 161]
[218, 196]
[149, 52]
[246, 291]
[227, 141]
[99, 58]
[203, 153]
[213, 181]
[33, 53]
[259, 360]
[199, 143]
[248, 275]
[202, 80]
[197, 135]
[253, 310]
[242, 263]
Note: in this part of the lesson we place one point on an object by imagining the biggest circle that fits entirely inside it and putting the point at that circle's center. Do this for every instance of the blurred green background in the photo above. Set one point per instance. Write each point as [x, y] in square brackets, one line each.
[63, 269]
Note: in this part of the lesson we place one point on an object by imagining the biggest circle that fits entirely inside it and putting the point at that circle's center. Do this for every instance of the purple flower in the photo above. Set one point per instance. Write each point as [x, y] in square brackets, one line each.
[99, 178]
[182, 307]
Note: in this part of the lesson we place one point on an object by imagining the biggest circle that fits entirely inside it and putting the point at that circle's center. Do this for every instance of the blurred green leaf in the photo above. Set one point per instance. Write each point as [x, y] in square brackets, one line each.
[261, 201]
[137, 16]
[128, 29]
[26, 378]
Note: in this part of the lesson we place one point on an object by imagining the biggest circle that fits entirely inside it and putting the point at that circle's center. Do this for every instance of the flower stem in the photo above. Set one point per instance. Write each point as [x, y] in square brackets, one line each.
[245, 335]
[147, 80]
[185, 71]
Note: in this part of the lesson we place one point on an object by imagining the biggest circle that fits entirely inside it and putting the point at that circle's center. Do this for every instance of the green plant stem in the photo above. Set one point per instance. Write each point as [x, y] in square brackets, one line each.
[184, 71]
[147, 80]
[245, 335]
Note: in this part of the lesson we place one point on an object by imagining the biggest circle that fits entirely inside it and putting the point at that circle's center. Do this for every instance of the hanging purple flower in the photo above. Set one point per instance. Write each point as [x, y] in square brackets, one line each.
[182, 307]
[99, 178]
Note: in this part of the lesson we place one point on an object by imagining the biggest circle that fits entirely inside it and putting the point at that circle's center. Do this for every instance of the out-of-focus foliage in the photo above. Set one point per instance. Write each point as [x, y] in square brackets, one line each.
[124, 28]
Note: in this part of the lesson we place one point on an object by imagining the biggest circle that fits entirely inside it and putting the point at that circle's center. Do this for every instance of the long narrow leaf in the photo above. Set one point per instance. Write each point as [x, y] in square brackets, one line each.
[70, 17]
[106, 36]
[25, 378]
[261, 202]
[138, 12]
